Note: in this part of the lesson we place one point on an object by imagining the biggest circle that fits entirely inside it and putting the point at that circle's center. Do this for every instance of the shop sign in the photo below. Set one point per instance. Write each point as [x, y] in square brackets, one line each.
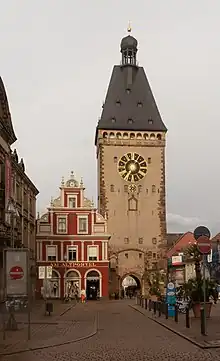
[73, 264]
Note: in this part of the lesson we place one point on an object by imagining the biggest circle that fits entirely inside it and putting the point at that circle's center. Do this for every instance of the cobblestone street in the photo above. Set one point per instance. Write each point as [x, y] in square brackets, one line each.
[122, 334]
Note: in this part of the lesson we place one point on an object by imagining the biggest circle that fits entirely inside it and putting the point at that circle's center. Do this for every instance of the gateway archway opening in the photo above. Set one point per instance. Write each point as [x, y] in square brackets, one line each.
[92, 285]
[131, 285]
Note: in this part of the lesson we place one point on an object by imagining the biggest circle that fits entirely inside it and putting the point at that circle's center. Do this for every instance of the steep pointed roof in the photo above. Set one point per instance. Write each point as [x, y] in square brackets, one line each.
[6, 127]
[129, 103]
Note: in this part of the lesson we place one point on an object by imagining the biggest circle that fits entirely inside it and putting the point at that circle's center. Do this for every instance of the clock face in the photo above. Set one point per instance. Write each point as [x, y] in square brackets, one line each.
[132, 167]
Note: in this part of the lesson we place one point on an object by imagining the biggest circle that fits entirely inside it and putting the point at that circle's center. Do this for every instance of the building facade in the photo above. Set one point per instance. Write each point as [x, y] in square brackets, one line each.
[17, 194]
[72, 237]
[130, 142]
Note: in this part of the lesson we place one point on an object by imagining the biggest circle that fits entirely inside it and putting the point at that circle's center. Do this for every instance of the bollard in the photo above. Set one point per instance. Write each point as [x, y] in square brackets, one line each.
[176, 313]
[202, 316]
[142, 302]
[166, 311]
[150, 305]
[145, 303]
[155, 307]
[159, 308]
[187, 318]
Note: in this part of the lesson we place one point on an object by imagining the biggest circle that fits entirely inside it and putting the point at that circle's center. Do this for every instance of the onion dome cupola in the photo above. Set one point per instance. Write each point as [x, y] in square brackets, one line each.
[129, 49]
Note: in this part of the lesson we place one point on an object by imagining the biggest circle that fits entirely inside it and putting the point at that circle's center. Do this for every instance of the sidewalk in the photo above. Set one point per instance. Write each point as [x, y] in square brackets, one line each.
[193, 334]
[68, 322]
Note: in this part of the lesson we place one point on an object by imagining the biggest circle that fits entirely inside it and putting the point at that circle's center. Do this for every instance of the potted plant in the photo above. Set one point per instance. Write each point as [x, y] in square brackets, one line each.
[194, 290]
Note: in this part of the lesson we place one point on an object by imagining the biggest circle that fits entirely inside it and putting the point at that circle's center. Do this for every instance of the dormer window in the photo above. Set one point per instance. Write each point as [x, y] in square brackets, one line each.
[128, 91]
[72, 201]
[140, 105]
[118, 103]
[150, 121]
[130, 121]
[113, 120]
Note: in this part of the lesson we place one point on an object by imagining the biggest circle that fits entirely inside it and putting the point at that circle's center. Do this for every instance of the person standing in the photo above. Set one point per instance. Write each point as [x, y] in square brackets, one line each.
[83, 296]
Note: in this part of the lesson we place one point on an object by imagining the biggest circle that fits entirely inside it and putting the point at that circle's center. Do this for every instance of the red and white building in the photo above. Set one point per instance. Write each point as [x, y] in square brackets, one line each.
[72, 237]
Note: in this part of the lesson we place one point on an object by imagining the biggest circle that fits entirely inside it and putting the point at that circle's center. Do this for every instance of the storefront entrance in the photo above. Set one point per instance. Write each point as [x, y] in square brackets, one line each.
[92, 285]
[72, 285]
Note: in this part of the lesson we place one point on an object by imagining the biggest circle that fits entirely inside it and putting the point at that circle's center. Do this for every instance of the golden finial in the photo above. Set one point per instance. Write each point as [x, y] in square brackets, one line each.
[81, 183]
[129, 27]
[51, 202]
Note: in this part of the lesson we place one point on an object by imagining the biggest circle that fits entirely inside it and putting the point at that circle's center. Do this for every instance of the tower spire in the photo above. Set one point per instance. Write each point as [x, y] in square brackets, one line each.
[129, 27]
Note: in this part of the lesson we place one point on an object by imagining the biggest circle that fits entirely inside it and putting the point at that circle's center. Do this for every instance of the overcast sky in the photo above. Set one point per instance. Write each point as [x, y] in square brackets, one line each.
[56, 61]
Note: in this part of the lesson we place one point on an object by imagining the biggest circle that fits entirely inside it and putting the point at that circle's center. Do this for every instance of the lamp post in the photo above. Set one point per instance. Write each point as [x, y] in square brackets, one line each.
[64, 278]
[13, 214]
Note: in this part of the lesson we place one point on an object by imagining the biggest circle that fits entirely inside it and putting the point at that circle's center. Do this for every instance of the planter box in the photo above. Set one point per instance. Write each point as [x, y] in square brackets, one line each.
[197, 307]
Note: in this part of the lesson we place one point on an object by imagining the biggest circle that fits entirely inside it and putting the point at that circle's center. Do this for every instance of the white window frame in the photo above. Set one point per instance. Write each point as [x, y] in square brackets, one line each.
[69, 196]
[51, 245]
[77, 252]
[97, 247]
[87, 222]
[58, 217]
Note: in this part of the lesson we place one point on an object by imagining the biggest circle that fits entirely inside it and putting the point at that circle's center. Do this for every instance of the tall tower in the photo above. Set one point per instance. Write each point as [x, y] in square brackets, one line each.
[130, 141]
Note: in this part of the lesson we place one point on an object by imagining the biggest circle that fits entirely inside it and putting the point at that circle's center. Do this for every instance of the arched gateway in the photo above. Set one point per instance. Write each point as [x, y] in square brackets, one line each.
[130, 285]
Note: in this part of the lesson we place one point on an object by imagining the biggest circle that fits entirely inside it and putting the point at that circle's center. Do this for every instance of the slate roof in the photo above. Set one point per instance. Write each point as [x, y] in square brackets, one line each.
[129, 96]
[5, 116]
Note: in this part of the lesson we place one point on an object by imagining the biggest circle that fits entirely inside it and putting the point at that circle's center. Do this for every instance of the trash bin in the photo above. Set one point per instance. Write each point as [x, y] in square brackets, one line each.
[49, 307]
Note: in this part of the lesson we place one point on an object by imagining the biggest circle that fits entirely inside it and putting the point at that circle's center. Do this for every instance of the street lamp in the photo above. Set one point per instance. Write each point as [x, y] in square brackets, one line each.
[13, 214]
[64, 278]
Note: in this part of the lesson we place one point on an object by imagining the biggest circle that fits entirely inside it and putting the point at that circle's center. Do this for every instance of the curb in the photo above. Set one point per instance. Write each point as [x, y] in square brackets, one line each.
[31, 349]
[196, 343]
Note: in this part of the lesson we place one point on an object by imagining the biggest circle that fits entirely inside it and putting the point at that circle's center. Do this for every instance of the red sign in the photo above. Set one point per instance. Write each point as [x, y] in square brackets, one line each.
[16, 273]
[204, 245]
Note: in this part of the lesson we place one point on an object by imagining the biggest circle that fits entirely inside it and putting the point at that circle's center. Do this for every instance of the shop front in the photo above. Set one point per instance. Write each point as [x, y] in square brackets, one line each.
[70, 278]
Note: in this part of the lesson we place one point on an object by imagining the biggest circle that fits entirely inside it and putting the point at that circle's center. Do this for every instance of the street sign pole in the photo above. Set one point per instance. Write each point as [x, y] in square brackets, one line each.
[202, 236]
[204, 293]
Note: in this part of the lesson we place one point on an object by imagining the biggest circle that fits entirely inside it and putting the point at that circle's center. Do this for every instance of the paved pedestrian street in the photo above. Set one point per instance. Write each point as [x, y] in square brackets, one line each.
[110, 330]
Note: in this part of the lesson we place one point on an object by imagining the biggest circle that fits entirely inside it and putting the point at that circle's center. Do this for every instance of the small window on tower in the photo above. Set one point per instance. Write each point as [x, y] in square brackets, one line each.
[141, 240]
[112, 187]
[118, 103]
[126, 188]
[126, 240]
[150, 121]
[115, 159]
[139, 188]
[113, 120]
[126, 255]
[149, 160]
[130, 121]
[128, 90]
[154, 240]
[140, 105]
[140, 255]
[153, 188]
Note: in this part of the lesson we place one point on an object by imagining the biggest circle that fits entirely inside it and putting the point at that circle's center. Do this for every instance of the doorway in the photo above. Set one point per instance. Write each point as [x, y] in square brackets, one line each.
[131, 286]
[92, 285]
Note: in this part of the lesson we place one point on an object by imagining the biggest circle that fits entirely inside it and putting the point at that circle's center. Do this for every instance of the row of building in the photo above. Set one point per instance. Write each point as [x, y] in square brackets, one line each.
[17, 194]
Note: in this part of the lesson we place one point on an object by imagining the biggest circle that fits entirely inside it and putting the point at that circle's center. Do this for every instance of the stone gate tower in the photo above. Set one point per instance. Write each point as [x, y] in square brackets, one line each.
[130, 141]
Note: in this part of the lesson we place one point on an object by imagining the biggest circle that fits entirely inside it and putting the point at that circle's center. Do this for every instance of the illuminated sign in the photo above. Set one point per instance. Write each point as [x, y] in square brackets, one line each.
[73, 264]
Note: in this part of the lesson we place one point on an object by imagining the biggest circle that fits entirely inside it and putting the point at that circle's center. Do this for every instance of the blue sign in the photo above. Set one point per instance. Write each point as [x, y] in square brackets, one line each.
[171, 298]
